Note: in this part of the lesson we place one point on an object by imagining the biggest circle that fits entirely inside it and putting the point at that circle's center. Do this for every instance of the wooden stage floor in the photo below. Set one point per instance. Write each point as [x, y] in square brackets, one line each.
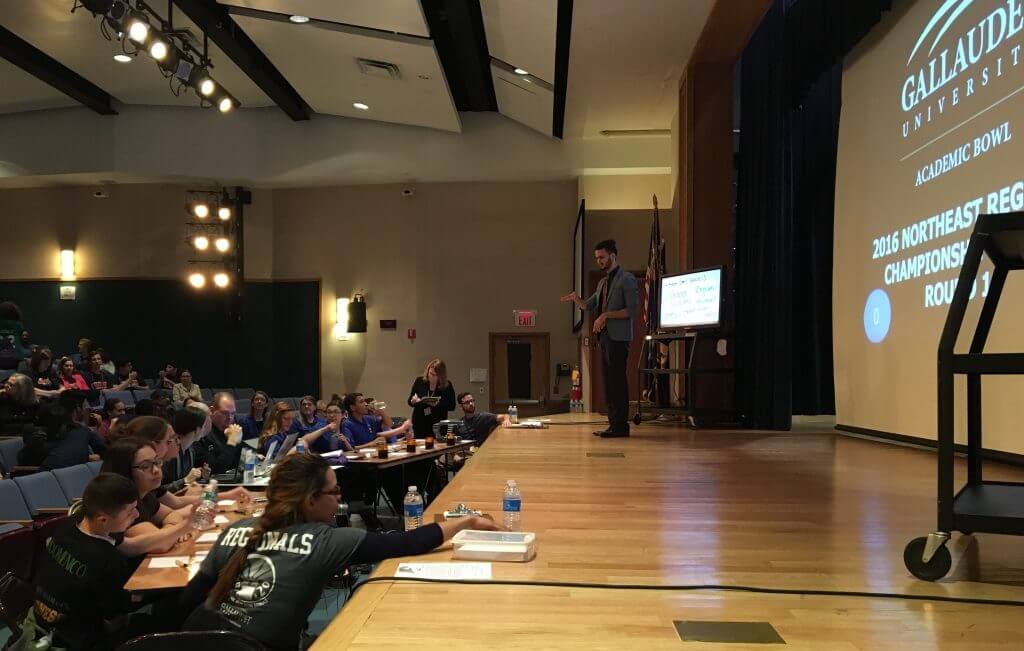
[800, 510]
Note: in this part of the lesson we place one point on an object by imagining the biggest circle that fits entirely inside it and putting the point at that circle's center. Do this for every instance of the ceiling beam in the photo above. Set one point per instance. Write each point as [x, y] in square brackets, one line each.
[51, 71]
[563, 33]
[457, 29]
[213, 19]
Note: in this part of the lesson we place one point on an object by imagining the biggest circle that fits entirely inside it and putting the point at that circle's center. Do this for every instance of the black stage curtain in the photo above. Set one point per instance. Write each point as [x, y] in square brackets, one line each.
[791, 88]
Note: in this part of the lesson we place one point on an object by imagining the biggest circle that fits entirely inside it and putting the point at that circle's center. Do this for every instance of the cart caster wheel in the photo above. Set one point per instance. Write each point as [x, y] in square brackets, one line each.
[636, 419]
[934, 569]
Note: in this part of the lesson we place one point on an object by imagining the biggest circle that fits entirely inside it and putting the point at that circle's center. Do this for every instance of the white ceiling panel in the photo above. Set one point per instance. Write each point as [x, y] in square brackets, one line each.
[522, 34]
[402, 16]
[23, 92]
[525, 102]
[75, 41]
[320, 62]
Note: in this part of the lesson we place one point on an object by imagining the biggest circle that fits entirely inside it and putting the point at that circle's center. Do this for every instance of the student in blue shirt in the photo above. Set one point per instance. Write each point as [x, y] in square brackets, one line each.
[366, 424]
[318, 434]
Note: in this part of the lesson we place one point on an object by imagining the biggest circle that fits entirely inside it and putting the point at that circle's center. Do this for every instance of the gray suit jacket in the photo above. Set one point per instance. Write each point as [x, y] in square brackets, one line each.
[622, 295]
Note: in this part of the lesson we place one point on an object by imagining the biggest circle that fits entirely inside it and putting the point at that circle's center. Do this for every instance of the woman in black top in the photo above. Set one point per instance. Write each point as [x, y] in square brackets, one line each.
[39, 368]
[265, 575]
[432, 396]
[18, 405]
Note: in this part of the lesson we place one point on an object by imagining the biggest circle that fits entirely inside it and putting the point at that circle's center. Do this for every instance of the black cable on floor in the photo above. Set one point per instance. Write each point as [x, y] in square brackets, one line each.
[710, 587]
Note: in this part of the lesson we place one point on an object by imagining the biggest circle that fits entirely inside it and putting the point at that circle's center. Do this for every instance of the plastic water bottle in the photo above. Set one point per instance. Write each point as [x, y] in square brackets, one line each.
[413, 504]
[203, 516]
[300, 447]
[250, 466]
[511, 505]
[513, 414]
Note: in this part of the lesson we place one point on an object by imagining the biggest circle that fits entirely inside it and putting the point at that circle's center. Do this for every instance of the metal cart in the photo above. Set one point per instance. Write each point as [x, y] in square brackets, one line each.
[980, 506]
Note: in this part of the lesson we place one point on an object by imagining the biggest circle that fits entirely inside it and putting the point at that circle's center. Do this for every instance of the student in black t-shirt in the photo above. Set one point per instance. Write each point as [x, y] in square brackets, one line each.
[157, 527]
[99, 378]
[79, 594]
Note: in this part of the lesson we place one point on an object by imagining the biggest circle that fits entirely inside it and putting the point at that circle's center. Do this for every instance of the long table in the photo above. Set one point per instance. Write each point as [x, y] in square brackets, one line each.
[673, 506]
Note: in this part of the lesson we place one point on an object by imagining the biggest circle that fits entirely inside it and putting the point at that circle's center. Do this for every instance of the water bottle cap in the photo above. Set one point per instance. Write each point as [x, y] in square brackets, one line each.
[213, 483]
[412, 489]
[511, 482]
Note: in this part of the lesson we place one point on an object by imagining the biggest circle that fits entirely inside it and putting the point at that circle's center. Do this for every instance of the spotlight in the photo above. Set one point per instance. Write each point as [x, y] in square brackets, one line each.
[206, 87]
[520, 71]
[158, 50]
[201, 242]
[299, 19]
[220, 279]
[222, 244]
[224, 213]
[197, 280]
[225, 105]
[361, 106]
[122, 58]
[201, 210]
[138, 28]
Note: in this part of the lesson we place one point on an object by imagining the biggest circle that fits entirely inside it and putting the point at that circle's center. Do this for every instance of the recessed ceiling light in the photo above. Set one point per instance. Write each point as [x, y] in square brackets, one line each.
[520, 71]
[361, 106]
[122, 58]
[299, 19]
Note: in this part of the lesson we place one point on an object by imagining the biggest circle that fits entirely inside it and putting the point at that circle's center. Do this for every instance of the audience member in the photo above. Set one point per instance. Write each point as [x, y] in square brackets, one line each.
[252, 424]
[12, 351]
[157, 527]
[39, 368]
[58, 441]
[68, 377]
[185, 389]
[85, 348]
[167, 378]
[98, 378]
[78, 586]
[125, 370]
[277, 426]
[113, 409]
[365, 424]
[18, 405]
[302, 501]
[335, 412]
[432, 396]
[477, 425]
[222, 447]
[108, 362]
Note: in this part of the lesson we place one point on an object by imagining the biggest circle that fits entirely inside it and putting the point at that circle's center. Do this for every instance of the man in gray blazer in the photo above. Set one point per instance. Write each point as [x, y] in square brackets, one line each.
[615, 303]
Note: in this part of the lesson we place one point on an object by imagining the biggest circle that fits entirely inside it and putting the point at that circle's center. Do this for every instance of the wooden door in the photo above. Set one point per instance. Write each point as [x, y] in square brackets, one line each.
[597, 399]
[519, 372]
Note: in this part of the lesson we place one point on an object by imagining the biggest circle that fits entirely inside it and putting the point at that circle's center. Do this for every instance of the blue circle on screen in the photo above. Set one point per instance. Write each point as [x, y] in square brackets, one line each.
[877, 316]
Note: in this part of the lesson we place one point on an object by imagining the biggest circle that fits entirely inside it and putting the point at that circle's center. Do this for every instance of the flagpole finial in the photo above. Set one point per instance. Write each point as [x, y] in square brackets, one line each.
[654, 198]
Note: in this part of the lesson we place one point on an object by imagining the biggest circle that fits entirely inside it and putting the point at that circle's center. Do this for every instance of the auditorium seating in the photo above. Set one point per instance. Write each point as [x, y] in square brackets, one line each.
[73, 479]
[243, 406]
[206, 394]
[42, 492]
[9, 449]
[127, 397]
[222, 390]
[245, 393]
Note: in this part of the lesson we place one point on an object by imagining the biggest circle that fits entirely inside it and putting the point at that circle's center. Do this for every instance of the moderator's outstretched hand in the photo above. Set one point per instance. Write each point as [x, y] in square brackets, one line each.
[571, 296]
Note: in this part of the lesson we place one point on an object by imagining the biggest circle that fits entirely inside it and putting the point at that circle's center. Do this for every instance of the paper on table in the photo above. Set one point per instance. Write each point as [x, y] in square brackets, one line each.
[226, 503]
[162, 562]
[208, 537]
[446, 571]
[220, 519]
[332, 453]
[193, 569]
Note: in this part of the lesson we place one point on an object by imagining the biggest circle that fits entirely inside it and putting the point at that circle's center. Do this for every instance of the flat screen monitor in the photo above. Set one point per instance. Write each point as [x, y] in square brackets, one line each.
[691, 300]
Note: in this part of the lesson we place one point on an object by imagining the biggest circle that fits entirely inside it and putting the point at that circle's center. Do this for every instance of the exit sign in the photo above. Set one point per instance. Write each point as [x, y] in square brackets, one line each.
[525, 318]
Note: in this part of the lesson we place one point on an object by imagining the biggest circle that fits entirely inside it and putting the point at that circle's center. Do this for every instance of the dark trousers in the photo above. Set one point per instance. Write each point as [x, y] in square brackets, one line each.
[616, 389]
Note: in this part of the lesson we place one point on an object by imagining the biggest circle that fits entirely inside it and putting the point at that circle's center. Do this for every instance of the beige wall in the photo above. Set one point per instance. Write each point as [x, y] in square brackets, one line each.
[136, 232]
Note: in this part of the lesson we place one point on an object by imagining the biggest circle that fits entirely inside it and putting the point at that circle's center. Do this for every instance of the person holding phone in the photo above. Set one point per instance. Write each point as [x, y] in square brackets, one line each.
[432, 396]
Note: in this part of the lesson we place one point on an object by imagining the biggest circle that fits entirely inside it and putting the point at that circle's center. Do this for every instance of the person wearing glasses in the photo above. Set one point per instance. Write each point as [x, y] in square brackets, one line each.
[265, 575]
[158, 527]
[478, 425]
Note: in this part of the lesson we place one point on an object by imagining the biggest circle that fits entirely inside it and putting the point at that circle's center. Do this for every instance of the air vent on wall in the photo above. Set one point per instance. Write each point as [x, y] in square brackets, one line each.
[381, 69]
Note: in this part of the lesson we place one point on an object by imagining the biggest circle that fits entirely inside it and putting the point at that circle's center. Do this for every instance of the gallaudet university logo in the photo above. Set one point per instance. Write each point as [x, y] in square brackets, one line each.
[982, 52]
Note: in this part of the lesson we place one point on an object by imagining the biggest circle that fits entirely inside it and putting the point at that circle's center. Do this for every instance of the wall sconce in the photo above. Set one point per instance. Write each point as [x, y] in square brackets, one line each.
[341, 318]
[67, 264]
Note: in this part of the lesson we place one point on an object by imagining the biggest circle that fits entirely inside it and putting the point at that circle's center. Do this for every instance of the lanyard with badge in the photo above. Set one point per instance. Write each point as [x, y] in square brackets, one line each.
[426, 410]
